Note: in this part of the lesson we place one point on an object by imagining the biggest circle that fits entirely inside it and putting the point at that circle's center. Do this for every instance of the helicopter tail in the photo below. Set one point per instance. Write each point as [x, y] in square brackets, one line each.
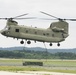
[60, 26]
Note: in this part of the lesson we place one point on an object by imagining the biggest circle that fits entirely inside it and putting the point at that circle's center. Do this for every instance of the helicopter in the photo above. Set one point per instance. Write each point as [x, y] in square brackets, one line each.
[55, 33]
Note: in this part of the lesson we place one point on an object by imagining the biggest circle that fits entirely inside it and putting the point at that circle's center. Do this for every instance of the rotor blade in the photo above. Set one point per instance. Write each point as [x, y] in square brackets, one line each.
[19, 18]
[26, 18]
[71, 19]
[20, 15]
[15, 17]
[4, 18]
[46, 19]
[56, 17]
[49, 15]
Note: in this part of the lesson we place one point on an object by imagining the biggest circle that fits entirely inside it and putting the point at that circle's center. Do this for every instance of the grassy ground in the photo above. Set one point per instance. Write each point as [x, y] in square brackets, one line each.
[66, 66]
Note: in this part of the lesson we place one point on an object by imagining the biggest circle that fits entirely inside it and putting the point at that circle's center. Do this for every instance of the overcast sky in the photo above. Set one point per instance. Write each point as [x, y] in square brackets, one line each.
[58, 8]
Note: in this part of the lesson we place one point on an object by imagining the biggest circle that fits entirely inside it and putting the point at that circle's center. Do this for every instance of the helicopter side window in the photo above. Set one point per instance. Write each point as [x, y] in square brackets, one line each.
[35, 32]
[44, 34]
[47, 33]
[52, 35]
[17, 30]
[26, 31]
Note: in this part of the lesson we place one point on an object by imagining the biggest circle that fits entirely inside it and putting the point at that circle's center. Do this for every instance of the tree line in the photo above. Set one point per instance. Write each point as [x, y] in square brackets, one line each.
[28, 54]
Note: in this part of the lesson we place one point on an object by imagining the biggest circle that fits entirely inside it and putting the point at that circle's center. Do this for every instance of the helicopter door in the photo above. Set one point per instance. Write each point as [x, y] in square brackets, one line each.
[15, 31]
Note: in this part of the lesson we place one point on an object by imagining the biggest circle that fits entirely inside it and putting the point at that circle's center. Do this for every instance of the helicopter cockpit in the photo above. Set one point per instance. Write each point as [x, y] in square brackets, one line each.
[7, 28]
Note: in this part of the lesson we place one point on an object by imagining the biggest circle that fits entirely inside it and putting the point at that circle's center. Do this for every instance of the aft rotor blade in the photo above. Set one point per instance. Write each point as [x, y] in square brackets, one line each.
[49, 15]
[71, 19]
[56, 19]
[47, 19]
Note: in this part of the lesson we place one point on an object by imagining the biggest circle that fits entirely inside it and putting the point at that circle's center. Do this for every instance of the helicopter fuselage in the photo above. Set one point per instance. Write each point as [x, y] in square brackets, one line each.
[33, 33]
[57, 32]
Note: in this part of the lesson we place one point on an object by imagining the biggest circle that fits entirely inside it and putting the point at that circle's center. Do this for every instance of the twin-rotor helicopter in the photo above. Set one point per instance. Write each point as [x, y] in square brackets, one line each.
[56, 33]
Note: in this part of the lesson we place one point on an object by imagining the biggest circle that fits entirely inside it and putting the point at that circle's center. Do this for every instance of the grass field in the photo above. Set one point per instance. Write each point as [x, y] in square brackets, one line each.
[66, 66]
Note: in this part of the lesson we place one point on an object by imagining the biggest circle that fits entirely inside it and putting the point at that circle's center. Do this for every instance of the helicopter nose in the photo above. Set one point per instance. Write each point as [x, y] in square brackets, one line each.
[3, 32]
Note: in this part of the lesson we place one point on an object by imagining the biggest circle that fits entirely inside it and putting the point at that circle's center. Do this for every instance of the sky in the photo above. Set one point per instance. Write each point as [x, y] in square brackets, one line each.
[58, 8]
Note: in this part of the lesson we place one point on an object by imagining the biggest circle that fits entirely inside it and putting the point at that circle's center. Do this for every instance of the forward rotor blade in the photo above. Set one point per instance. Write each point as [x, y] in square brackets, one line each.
[18, 18]
[26, 18]
[4, 18]
[20, 15]
[15, 17]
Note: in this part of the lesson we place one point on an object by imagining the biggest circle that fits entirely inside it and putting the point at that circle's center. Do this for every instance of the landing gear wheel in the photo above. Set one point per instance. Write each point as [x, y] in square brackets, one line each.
[28, 42]
[50, 44]
[22, 42]
[58, 44]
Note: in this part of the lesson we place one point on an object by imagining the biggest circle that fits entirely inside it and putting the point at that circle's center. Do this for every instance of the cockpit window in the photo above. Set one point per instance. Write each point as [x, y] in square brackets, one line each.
[6, 28]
